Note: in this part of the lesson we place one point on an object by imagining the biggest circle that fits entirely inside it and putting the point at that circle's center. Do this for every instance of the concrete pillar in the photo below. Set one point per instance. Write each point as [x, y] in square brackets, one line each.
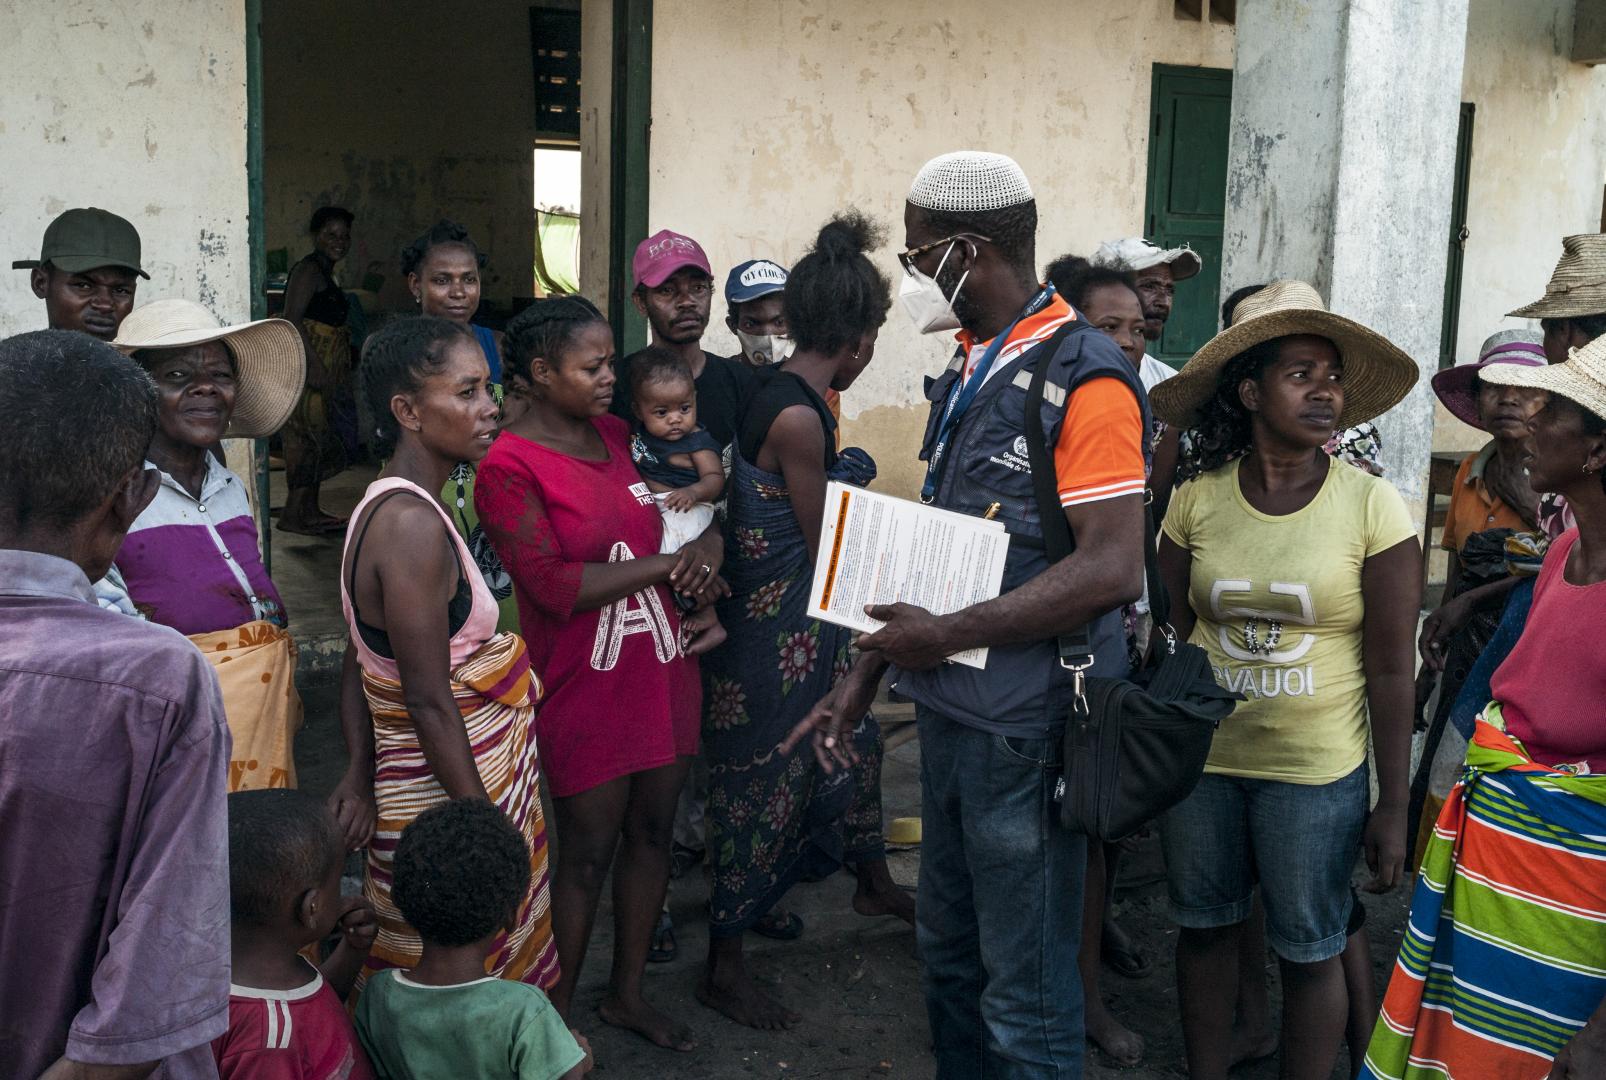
[1341, 171]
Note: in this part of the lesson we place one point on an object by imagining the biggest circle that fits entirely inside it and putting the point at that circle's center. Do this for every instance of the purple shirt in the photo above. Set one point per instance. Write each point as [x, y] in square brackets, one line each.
[193, 564]
[114, 891]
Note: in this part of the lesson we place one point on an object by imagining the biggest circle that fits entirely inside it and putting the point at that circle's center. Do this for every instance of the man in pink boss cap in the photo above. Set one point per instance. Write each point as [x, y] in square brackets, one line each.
[674, 287]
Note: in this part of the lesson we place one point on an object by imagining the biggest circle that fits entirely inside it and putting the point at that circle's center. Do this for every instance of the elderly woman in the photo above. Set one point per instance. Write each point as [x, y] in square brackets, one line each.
[317, 306]
[1502, 973]
[1491, 499]
[190, 560]
[1300, 576]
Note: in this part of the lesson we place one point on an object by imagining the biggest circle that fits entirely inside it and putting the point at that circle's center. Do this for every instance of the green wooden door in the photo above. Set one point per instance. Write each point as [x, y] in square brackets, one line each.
[1189, 113]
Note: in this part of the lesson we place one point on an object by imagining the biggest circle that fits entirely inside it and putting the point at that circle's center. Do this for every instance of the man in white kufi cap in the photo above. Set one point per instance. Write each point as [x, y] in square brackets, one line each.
[1006, 939]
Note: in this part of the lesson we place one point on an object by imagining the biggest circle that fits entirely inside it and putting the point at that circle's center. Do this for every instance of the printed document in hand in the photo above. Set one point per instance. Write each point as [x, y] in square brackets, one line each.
[875, 549]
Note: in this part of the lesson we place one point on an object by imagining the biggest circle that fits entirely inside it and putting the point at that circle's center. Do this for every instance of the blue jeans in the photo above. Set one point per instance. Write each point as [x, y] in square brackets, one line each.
[999, 913]
[1299, 841]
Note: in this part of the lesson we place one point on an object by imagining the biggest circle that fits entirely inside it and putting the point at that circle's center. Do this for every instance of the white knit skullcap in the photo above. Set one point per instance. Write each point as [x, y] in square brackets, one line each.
[968, 181]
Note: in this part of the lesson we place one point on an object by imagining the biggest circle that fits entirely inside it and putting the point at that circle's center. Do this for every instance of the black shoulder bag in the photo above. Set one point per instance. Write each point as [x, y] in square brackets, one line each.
[1134, 747]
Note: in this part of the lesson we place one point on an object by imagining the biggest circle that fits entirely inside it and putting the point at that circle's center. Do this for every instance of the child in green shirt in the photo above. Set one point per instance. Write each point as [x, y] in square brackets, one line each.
[460, 871]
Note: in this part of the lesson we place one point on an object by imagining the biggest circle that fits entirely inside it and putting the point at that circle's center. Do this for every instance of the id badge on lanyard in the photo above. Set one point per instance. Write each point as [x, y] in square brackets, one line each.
[964, 391]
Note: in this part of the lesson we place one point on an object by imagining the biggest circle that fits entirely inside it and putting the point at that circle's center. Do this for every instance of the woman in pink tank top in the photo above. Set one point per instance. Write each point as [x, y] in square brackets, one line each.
[577, 529]
[436, 704]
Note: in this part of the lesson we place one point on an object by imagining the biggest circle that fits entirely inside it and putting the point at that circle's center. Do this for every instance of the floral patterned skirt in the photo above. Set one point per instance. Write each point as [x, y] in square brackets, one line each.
[775, 818]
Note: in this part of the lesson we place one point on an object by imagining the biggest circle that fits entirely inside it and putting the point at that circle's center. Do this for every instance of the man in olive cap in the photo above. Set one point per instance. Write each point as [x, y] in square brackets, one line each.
[87, 271]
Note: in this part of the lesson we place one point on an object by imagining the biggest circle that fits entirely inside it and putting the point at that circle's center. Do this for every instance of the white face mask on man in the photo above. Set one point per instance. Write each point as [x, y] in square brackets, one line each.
[923, 301]
[762, 349]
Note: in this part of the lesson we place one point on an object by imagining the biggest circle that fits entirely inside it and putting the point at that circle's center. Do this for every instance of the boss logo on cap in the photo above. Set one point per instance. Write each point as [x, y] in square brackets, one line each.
[764, 273]
[671, 244]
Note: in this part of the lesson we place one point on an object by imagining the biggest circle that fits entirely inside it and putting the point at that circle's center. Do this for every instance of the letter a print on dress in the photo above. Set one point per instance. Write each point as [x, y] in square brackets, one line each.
[638, 613]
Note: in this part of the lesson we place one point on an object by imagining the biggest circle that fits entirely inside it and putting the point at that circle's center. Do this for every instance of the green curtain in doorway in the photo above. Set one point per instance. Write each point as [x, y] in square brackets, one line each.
[557, 251]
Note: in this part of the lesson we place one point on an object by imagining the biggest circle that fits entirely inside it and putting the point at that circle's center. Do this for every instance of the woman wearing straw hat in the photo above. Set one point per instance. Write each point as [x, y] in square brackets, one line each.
[1489, 502]
[1502, 973]
[1301, 578]
[190, 561]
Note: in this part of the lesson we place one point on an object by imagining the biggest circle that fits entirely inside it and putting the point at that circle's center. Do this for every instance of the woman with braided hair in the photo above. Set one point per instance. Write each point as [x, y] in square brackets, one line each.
[579, 532]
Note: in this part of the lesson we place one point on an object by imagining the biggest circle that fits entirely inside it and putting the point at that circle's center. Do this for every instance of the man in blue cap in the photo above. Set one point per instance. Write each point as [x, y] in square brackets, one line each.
[754, 312]
[87, 271]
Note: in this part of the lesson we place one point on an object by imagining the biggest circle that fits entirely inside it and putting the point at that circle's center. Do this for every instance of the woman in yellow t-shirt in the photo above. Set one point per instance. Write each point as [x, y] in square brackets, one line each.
[1301, 577]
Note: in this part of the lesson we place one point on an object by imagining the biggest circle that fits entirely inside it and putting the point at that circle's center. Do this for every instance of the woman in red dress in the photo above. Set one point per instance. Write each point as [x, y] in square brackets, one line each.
[575, 526]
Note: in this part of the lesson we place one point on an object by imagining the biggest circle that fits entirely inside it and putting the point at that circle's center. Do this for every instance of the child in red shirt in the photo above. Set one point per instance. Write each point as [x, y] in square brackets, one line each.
[286, 1019]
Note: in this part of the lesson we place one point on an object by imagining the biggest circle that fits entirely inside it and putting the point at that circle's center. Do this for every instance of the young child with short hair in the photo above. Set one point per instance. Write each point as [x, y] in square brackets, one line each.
[460, 872]
[676, 457]
[285, 1016]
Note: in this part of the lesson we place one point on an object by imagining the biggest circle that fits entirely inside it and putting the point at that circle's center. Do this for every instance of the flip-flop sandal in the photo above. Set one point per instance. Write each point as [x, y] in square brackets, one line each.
[787, 929]
[683, 858]
[1127, 962]
[664, 946]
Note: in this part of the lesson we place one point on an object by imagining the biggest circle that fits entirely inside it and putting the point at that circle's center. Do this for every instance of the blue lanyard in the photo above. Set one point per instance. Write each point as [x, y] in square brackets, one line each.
[964, 391]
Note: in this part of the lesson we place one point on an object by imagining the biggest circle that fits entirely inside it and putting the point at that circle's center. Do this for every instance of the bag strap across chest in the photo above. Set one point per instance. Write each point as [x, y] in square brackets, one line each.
[1076, 648]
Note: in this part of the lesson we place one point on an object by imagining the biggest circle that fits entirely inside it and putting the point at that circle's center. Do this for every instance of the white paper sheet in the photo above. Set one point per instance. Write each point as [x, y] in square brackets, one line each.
[876, 549]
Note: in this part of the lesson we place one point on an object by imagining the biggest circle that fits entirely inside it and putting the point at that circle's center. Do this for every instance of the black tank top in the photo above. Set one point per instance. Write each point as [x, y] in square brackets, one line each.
[458, 608]
[778, 390]
[328, 305]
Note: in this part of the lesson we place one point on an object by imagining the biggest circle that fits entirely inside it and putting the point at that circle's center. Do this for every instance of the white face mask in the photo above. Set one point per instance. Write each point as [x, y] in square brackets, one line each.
[762, 349]
[922, 299]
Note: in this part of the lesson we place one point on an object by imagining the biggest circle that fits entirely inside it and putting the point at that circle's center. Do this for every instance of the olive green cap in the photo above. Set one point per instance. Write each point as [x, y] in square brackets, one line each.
[86, 238]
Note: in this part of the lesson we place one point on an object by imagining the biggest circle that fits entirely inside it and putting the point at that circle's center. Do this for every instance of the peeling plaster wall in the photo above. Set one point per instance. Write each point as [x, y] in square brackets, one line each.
[798, 109]
[403, 114]
[139, 109]
[1538, 167]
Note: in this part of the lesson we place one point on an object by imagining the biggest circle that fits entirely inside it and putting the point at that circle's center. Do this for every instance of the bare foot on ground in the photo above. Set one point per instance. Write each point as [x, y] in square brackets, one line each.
[731, 990]
[1250, 1045]
[878, 894]
[1123, 1045]
[647, 1022]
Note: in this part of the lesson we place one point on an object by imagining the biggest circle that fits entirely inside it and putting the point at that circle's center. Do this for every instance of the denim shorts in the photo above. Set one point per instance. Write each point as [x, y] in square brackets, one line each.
[1298, 841]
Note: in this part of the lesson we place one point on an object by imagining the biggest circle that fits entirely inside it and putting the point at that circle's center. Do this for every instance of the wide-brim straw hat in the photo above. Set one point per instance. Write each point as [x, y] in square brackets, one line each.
[1377, 373]
[1456, 386]
[1581, 378]
[270, 361]
[1578, 286]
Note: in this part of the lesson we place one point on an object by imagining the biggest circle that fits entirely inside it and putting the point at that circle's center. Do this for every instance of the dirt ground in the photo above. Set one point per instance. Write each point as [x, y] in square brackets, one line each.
[855, 981]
